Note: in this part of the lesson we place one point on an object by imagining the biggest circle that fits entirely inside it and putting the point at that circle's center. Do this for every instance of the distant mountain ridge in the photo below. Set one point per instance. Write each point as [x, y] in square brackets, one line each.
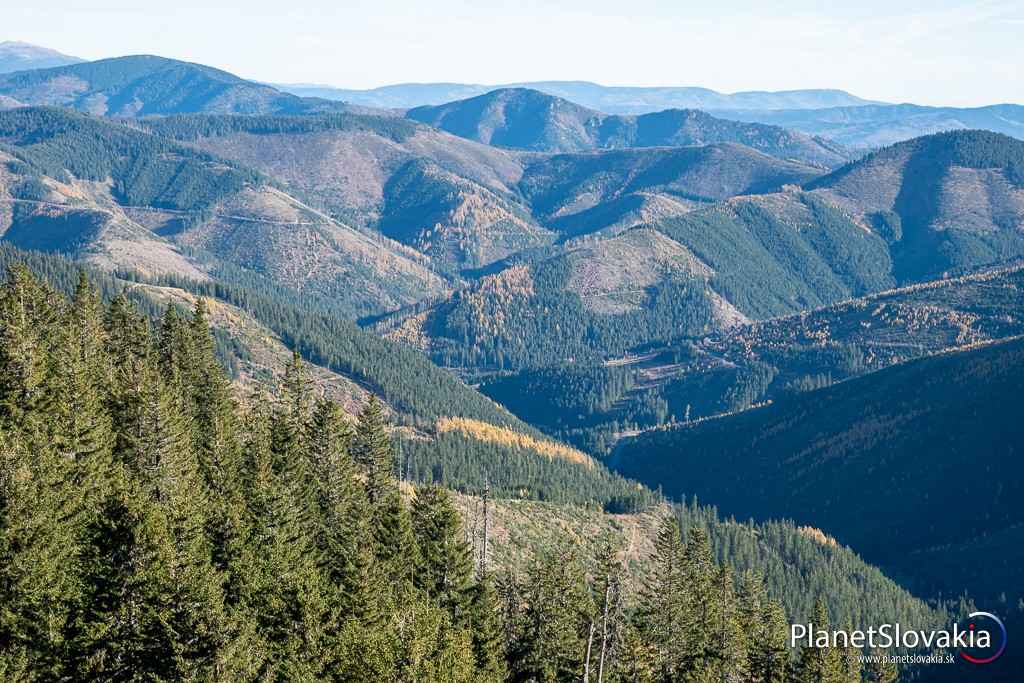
[467, 204]
[527, 119]
[877, 125]
[611, 99]
[18, 56]
[143, 85]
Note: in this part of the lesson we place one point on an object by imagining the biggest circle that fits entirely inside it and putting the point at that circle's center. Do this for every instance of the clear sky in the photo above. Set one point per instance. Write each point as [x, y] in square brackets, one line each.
[949, 52]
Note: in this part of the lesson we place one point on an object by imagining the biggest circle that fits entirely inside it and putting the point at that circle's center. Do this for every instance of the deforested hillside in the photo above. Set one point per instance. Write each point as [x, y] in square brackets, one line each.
[908, 462]
[123, 198]
[798, 563]
[561, 186]
[452, 199]
[521, 118]
[946, 202]
[145, 85]
[467, 205]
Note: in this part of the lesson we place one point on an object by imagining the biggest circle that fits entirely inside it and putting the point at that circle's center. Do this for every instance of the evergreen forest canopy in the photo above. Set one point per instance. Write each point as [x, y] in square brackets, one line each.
[153, 527]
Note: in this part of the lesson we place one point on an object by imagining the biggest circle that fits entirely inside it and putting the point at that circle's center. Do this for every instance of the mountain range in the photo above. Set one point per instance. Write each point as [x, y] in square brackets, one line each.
[553, 288]
[877, 125]
[529, 119]
[917, 211]
[611, 99]
[123, 198]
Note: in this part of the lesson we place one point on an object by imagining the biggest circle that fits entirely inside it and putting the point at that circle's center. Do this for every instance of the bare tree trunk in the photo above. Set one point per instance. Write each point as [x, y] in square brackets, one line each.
[586, 663]
[483, 554]
[604, 632]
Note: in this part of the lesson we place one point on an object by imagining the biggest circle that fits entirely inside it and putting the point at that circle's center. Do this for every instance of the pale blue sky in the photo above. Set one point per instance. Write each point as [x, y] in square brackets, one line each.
[930, 52]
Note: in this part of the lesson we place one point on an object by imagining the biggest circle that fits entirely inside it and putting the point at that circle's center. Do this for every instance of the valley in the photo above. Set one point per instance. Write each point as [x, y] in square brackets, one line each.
[755, 353]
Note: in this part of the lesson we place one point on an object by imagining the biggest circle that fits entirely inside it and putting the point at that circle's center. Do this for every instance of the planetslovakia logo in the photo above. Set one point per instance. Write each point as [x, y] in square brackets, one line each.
[977, 637]
[1002, 642]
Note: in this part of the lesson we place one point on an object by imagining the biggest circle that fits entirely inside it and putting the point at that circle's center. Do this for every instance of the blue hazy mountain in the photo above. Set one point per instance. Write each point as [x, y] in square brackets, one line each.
[19, 56]
[611, 99]
[884, 124]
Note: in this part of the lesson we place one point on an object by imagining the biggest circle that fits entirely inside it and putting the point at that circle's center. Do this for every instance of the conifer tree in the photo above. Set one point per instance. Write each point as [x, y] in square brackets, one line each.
[551, 647]
[27, 332]
[445, 570]
[372, 448]
[850, 661]
[38, 556]
[283, 591]
[703, 610]
[819, 664]
[663, 609]
[343, 533]
[485, 626]
[81, 427]
[215, 434]
[765, 629]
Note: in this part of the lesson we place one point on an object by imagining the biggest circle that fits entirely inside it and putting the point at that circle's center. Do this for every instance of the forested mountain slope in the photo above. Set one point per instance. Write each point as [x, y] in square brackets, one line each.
[211, 517]
[529, 119]
[450, 433]
[950, 201]
[908, 465]
[737, 261]
[120, 197]
[145, 85]
[690, 378]
[579, 305]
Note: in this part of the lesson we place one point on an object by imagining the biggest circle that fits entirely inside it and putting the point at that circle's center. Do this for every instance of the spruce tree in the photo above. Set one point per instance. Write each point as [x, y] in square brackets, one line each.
[819, 664]
[28, 320]
[81, 427]
[445, 569]
[486, 628]
[705, 608]
[765, 628]
[39, 556]
[373, 450]
[283, 590]
[551, 647]
[663, 609]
